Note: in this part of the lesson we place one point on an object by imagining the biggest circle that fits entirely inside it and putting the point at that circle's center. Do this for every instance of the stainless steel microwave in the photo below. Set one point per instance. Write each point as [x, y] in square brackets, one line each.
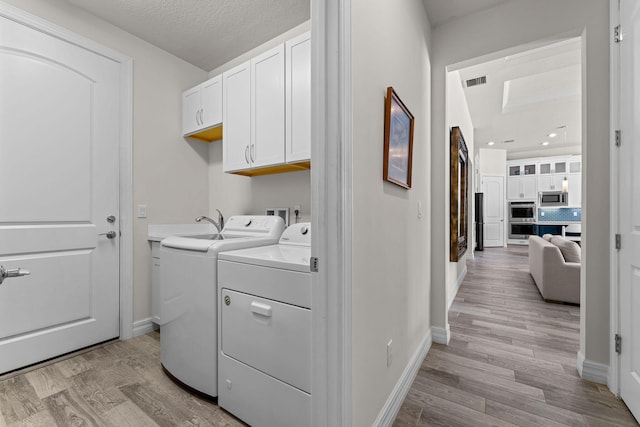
[553, 198]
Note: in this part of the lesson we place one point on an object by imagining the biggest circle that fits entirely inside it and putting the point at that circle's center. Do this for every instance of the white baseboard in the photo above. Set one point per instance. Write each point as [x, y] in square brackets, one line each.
[592, 371]
[394, 402]
[441, 335]
[143, 326]
[457, 287]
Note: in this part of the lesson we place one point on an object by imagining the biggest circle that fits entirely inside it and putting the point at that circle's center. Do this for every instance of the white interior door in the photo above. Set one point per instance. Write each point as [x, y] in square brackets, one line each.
[493, 189]
[629, 206]
[59, 136]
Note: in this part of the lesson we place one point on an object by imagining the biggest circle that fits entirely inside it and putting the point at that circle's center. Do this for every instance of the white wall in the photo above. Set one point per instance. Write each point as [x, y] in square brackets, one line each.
[169, 173]
[458, 115]
[236, 194]
[492, 161]
[508, 27]
[391, 257]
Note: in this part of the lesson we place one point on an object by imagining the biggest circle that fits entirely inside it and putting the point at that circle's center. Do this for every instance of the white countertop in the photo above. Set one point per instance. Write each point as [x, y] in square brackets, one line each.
[557, 222]
[157, 232]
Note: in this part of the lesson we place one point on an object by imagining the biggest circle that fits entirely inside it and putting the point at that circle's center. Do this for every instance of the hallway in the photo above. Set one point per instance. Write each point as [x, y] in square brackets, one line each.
[511, 359]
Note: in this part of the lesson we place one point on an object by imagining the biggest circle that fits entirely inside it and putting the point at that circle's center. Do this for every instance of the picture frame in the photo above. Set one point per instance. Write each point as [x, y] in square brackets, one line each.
[398, 141]
[459, 195]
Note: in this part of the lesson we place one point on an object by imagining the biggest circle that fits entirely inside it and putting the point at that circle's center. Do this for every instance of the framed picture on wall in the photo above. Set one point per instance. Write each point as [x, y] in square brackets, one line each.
[398, 141]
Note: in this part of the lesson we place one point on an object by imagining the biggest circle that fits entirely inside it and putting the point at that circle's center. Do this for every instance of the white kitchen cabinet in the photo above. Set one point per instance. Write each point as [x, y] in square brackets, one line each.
[522, 188]
[528, 168]
[575, 190]
[155, 282]
[298, 98]
[202, 110]
[236, 96]
[267, 108]
[550, 182]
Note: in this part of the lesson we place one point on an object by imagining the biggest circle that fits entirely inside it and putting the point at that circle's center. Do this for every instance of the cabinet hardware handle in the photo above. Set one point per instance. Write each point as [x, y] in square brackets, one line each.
[261, 309]
[246, 154]
[197, 119]
[201, 116]
[252, 152]
[6, 273]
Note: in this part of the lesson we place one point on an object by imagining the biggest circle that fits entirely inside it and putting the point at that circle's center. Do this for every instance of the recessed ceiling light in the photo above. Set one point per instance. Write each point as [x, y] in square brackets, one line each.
[545, 143]
[490, 143]
[552, 135]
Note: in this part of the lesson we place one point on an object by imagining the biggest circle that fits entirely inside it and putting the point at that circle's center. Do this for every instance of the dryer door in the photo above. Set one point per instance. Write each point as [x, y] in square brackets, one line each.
[268, 335]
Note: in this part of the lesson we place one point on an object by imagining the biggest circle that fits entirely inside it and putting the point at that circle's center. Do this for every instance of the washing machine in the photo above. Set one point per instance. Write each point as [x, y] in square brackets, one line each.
[188, 287]
[264, 324]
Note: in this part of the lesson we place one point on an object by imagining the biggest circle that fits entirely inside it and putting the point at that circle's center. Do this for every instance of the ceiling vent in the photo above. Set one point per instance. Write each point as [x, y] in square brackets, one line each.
[508, 141]
[477, 81]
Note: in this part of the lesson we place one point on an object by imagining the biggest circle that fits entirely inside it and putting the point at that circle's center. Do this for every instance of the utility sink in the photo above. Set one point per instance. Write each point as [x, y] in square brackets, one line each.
[207, 236]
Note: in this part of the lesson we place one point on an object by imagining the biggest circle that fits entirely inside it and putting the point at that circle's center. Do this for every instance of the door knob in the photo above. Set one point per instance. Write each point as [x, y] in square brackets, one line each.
[110, 234]
[111, 219]
[12, 272]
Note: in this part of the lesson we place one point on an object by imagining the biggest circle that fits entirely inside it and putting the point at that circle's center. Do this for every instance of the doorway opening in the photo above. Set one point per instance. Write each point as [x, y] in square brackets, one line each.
[521, 113]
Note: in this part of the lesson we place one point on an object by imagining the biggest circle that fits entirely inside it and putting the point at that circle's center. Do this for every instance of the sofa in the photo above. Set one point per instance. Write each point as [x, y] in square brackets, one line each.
[554, 264]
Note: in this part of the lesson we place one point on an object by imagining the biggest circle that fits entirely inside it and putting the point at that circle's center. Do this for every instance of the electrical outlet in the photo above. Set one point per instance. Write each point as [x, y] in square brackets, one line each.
[575, 213]
[142, 211]
[389, 353]
[297, 208]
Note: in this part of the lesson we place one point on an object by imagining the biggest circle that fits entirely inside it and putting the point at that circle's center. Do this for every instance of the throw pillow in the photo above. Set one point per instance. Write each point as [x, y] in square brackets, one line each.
[547, 237]
[570, 250]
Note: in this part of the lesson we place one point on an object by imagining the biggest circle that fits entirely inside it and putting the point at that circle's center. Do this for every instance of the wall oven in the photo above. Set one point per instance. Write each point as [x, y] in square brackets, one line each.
[522, 230]
[522, 212]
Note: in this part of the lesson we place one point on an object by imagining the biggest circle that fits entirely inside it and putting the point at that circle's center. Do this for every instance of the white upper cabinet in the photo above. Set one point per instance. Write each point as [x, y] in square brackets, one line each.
[298, 98]
[202, 110]
[267, 108]
[211, 102]
[522, 188]
[236, 95]
[267, 111]
[191, 110]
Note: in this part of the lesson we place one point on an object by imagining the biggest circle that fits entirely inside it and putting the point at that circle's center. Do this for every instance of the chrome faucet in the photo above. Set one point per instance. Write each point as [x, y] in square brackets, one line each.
[219, 225]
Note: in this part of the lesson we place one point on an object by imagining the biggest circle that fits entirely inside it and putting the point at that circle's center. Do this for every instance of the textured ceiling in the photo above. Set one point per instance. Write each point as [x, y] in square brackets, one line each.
[442, 11]
[205, 33]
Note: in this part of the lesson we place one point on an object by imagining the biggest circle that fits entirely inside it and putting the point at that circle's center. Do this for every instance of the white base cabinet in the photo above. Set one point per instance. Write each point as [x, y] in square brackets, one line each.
[155, 282]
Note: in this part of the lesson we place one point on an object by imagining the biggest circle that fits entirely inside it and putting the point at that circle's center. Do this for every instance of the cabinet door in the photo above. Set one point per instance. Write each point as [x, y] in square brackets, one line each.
[514, 170]
[155, 282]
[529, 187]
[267, 108]
[513, 188]
[298, 99]
[556, 184]
[211, 100]
[191, 110]
[575, 190]
[545, 168]
[545, 182]
[236, 131]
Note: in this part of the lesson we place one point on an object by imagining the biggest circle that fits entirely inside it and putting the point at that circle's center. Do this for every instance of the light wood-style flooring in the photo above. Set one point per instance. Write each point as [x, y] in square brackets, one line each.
[118, 384]
[511, 359]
